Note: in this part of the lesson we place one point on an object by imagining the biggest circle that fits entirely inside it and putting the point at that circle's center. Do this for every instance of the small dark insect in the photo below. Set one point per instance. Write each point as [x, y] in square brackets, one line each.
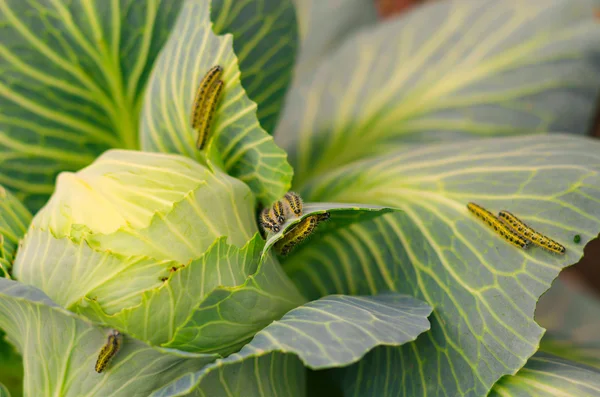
[163, 279]
[577, 239]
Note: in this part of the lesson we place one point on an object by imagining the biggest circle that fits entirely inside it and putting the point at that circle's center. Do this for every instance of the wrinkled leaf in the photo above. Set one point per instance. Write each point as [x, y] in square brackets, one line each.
[270, 375]
[331, 332]
[248, 152]
[60, 351]
[450, 70]
[548, 375]
[213, 304]
[265, 42]
[338, 330]
[167, 207]
[341, 215]
[14, 220]
[484, 290]
[73, 75]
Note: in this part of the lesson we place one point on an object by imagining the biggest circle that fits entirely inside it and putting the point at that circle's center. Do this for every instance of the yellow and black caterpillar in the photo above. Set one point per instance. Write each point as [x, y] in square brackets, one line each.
[109, 350]
[498, 226]
[205, 104]
[528, 233]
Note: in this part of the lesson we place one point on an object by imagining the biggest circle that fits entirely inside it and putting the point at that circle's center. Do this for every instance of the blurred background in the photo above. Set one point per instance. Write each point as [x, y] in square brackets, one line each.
[584, 275]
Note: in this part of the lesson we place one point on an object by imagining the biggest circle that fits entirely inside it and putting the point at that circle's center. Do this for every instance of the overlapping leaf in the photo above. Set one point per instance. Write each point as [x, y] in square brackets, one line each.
[341, 215]
[14, 220]
[548, 375]
[331, 332]
[265, 42]
[270, 375]
[450, 70]
[60, 351]
[164, 206]
[484, 289]
[73, 74]
[248, 152]
[213, 304]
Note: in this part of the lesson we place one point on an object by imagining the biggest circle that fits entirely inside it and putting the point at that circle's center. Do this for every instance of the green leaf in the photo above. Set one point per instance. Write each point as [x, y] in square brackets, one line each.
[325, 25]
[11, 367]
[338, 330]
[60, 351]
[342, 215]
[73, 74]
[572, 319]
[548, 375]
[248, 152]
[484, 290]
[236, 296]
[265, 42]
[14, 220]
[4, 391]
[331, 332]
[270, 375]
[446, 71]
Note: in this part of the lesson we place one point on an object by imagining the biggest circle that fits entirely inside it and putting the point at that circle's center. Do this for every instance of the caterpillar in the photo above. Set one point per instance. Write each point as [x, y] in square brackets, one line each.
[299, 233]
[528, 233]
[208, 110]
[206, 84]
[267, 221]
[293, 204]
[205, 104]
[498, 226]
[279, 212]
[109, 350]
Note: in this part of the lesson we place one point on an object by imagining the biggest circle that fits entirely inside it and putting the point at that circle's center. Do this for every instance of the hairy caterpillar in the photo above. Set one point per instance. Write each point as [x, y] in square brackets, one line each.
[267, 221]
[293, 203]
[299, 233]
[109, 350]
[528, 233]
[279, 212]
[205, 104]
[498, 226]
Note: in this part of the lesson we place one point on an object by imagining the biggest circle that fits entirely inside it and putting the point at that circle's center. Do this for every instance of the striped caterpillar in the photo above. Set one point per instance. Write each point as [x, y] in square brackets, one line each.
[528, 233]
[498, 226]
[299, 233]
[205, 104]
[109, 350]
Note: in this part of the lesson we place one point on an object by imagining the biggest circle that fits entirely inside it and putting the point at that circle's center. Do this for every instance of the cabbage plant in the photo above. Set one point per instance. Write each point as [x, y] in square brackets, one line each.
[112, 220]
